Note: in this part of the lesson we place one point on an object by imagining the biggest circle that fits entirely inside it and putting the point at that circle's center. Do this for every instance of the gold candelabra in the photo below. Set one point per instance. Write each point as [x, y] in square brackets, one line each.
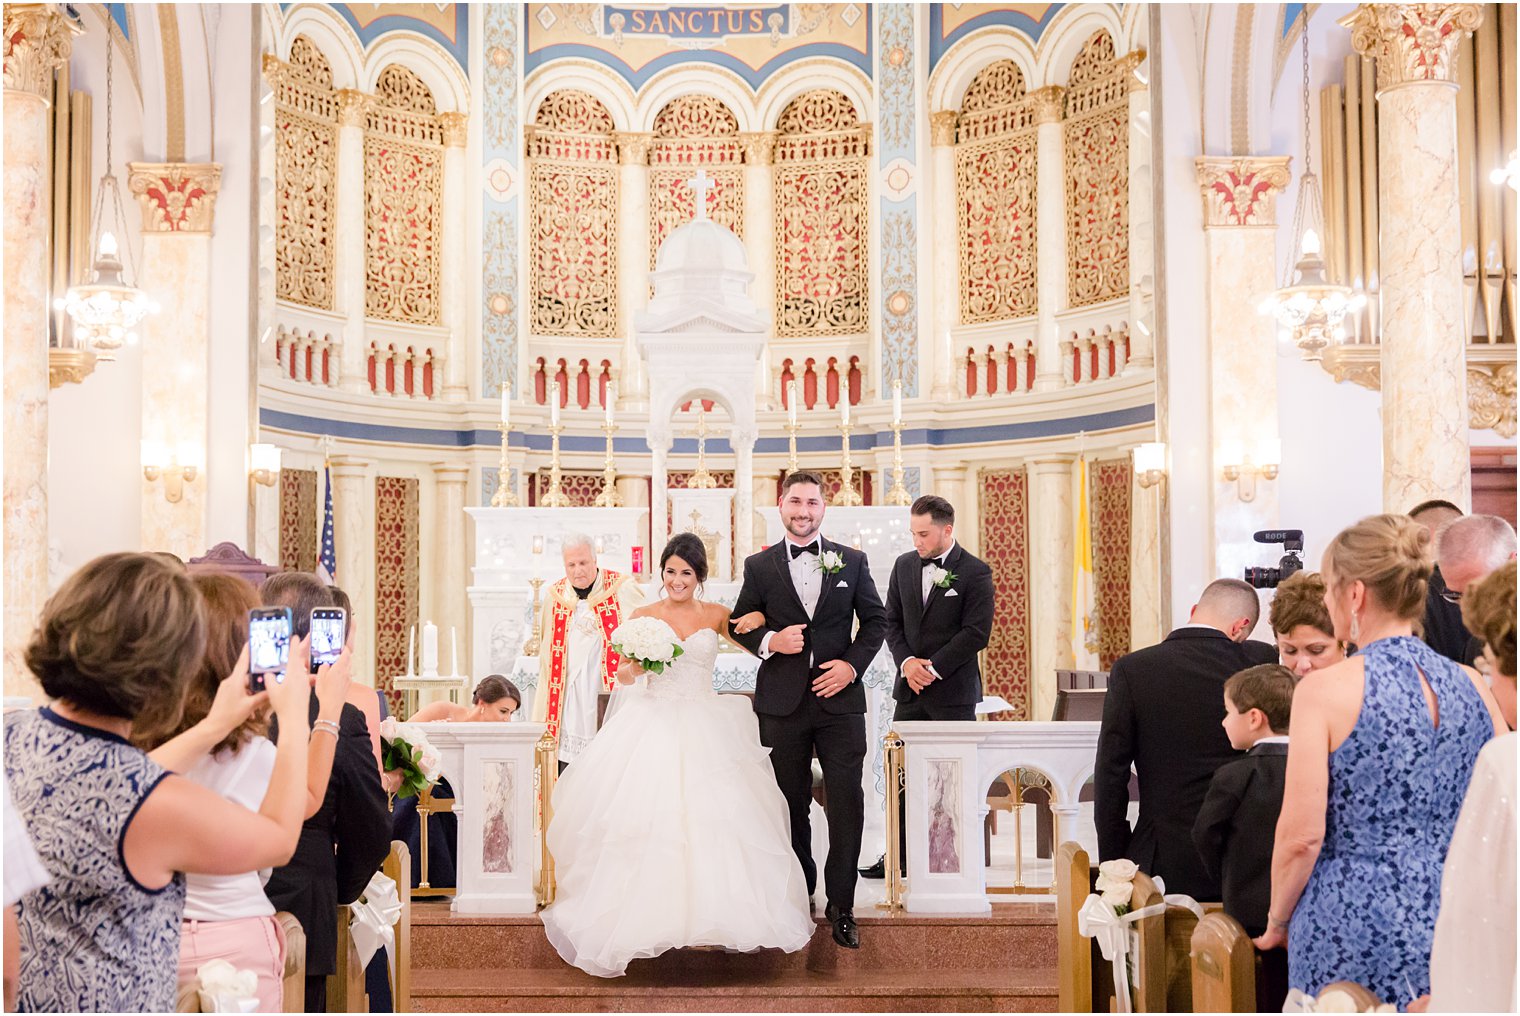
[554, 497]
[701, 479]
[898, 494]
[608, 498]
[848, 496]
[791, 426]
[505, 496]
[531, 647]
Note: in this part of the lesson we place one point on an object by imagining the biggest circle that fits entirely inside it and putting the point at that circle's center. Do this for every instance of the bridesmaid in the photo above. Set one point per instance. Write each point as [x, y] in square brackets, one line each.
[1381, 749]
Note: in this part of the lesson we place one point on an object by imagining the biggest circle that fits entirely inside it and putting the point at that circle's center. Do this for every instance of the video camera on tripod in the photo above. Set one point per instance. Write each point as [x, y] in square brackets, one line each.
[1292, 541]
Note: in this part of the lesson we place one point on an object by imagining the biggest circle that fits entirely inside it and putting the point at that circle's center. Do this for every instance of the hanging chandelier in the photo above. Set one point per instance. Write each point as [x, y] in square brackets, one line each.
[107, 310]
[1509, 173]
[1311, 306]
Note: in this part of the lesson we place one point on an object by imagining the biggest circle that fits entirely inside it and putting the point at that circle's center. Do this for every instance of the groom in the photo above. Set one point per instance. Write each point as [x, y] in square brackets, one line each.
[808, 695]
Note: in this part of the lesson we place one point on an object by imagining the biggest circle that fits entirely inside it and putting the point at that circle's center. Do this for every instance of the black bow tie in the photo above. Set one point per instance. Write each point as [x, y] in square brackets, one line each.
[925, 562]
[797, 551]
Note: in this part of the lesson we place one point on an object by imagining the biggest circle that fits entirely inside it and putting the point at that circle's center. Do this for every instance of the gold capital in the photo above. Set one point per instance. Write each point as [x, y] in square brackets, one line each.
[456, 129]
[1412, 43]
[942, 127]
[37, 41]
[1241, 192]
[633, 147]
[1049, 103]
[176, 197]
[759, 148]
[351, 106]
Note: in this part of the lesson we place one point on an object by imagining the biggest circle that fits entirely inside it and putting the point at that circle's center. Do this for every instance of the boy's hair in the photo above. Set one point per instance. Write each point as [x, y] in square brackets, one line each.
[1268, 687]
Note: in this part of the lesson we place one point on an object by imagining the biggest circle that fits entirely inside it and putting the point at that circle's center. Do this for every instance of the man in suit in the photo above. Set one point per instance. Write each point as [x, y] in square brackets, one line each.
[1467, 550]
[808, 696]
[939, 617]
[1162, 713]
[1443, 630]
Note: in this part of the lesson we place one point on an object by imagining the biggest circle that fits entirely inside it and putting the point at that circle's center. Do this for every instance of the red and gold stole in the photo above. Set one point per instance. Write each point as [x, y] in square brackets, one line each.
[609, 612]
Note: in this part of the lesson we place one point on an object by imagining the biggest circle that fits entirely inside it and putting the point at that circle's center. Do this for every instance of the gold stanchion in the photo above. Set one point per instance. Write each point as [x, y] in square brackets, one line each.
[545, 772]
[427, 807]
[897, 782]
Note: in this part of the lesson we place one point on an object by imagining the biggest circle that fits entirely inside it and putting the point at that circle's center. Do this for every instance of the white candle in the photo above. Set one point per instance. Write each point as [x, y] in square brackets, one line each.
[844, 408]
[611, 398]
[554, 404]
[506, 406]
[411, 649]
[430, 650]
[454, 650]
[896, 403]
[791, 403]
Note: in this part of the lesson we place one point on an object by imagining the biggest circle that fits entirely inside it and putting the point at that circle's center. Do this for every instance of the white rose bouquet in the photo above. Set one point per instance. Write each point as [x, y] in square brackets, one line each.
[1116, 883]
[406, 749]
[648, 641]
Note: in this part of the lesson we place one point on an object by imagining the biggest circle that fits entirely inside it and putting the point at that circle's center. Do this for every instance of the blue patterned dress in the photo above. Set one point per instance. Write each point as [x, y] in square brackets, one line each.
[92, 939]
[1368, 912]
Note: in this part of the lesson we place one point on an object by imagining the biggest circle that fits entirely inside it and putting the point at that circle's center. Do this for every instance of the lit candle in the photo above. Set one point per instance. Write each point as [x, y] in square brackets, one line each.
[108, 248]
[554, 404]
[844, 409]
[506, 407]
[611, 398]
[454, 650]
[791, 403]
[896, 403]
[430, 649]
[411, 649]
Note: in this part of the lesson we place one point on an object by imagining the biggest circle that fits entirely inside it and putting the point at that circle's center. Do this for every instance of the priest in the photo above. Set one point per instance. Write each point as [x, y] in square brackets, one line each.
[575, 661]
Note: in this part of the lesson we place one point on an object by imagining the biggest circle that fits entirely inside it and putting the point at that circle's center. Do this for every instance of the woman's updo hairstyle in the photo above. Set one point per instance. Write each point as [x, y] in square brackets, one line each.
[1300, 600]
[495, 688]
[1488, 610]
[1390, 555]
[689, 548]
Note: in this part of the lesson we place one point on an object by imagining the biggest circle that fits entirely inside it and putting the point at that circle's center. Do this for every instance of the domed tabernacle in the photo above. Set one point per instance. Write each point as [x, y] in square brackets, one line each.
[702, 243]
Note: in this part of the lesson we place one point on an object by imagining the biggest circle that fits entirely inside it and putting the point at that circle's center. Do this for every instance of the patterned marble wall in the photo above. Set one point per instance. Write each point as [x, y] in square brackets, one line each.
[501, 145]
[396, 577]
[1003, 508]
[1111, 483]
[298, 519]
[897, 155]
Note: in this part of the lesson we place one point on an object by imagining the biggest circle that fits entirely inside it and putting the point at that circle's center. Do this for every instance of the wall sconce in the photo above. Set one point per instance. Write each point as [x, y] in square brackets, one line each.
[1243, 469]
[176, 469]
[1150, 464]
[264, 463]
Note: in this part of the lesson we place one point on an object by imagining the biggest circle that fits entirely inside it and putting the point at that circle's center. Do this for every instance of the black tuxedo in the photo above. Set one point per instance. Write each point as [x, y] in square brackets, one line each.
[794, 721]
[1236, 827]
[947, 630]
[1162, 713]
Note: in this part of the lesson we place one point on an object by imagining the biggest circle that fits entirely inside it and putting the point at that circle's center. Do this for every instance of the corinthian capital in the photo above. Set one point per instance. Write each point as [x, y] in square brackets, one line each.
[351, 107]
[1412, 43]
[1241, 191]
[633, 147]
[37, 40]
[759, 148]
[942, 127]
[1049, 103]
[456, 129]
[176, 197]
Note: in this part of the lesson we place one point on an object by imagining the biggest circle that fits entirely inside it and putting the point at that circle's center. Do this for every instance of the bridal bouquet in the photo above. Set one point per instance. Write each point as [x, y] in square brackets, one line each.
[648, 641]
[405, 748]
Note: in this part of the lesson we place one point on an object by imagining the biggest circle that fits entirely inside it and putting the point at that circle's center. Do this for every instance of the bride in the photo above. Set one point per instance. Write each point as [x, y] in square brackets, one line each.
[669, 830]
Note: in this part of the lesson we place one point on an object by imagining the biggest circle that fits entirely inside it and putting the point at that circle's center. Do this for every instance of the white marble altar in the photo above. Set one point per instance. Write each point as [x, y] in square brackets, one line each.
[708, 512]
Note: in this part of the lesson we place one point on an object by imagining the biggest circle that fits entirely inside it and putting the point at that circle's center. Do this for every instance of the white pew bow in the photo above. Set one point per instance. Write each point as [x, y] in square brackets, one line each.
[376, 914]
[1098, 920]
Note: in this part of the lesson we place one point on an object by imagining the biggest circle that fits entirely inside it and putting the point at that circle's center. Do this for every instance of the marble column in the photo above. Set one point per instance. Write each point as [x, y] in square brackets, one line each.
[1051, 545]
[178, 202]
[1146, 605]
[743, 443]
[1424, 334]
[633, 259]
[37, 41]
[1142, 227]
[349, 257]
[354, 532]
[760, 250]
[1240, 236]
[266, 522]
[451, 573]
[946, 252]
[1050, 229]
[456, 288]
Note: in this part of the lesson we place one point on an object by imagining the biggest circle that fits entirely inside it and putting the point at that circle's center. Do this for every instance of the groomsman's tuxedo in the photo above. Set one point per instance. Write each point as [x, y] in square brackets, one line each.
[788, 585]
[944, 624]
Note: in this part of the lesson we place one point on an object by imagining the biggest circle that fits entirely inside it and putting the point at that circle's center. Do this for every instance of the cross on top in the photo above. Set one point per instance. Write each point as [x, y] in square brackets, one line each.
[701, 183]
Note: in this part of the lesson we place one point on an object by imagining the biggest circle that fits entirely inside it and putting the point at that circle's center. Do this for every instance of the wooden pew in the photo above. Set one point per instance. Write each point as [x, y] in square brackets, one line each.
[294, 986]
[1224, 966]
[398, 865]
[1074, 952]
[345, 987]
[1163, 964]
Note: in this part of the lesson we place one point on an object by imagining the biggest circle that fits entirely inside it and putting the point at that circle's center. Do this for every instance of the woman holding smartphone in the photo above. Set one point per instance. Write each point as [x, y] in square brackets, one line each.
[115, 828]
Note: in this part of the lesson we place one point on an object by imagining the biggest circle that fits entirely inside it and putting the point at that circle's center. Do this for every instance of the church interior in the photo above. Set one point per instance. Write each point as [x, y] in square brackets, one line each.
[413, 295]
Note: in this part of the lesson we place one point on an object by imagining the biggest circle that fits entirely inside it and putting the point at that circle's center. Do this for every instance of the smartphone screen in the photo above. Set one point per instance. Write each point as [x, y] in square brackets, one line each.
[268, 644]
[329, 631]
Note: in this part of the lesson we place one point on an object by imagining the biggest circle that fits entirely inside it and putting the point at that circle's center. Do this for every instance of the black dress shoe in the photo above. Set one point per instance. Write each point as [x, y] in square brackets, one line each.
[845, 931]
[877, 870]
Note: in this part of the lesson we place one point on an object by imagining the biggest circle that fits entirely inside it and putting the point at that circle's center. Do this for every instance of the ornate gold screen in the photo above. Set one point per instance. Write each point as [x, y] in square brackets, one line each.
[1097, 175]
[692, 132]
[403, 201]
[306, 145]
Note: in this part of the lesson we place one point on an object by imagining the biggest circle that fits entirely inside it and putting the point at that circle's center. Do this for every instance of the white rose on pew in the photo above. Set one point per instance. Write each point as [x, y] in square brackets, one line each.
[1120, 870]
[388, 728]
[1105, 884]
[1118, 895]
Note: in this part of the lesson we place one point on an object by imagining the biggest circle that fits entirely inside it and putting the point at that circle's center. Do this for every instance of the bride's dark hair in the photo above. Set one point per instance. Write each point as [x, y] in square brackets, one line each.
[689, 548]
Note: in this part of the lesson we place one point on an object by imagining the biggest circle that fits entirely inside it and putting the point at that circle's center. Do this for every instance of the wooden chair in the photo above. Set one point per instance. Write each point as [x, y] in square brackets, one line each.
[399, 867]
[1074, 952]
[294, 986]
[1224, 966]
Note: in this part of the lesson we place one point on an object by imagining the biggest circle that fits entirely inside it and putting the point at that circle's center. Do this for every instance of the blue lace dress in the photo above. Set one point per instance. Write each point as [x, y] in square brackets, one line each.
[1368, 912]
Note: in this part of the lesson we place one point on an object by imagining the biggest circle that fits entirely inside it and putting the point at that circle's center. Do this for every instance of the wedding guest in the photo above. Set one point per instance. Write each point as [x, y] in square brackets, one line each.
[1468, 549]
[347, 830]
[1301, 623]
[494, 701]
[24, 873]
[1382, 747]
[1472, 960]
[1234, 827]
[114, 828]
[1441, 627]
[1162, 715]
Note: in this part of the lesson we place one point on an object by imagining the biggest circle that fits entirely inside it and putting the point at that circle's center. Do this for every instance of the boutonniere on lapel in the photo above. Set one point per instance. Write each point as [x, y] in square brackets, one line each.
[830, 561]
[941, 577]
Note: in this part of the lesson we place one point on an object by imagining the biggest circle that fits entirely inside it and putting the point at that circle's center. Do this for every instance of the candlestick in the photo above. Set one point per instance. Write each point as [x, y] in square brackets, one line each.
[701, 479]
[504, 496]
[429, 650]
[506, 405]
[898, 494]
[791, 403]
[454, 650]
[844, 408]
[897, 401]
[531, 646]
[608, 498]
[611, 398]
[791, 426]
[411, 650]
[554, 403]
[554, 497]
[848, 496]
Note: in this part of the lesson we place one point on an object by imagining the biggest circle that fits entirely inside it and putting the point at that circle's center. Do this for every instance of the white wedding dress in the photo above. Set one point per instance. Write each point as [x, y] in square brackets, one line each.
[669, 829]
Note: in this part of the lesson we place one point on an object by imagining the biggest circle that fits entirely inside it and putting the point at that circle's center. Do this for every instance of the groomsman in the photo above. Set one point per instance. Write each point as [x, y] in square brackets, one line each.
[939, 617]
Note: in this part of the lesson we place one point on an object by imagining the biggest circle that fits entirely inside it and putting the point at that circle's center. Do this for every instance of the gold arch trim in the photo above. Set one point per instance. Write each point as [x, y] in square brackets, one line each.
[174, 84]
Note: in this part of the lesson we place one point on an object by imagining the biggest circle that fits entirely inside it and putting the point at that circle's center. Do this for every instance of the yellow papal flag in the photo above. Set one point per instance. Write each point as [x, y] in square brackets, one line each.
[1084, 611]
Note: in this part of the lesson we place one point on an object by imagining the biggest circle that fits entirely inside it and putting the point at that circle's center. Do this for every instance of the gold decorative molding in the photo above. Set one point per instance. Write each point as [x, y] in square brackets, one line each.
[1241, 192]
[1129, 66]
[273, 68]
[72, 366]
[176, 197]
[633, 147]
[174, 83]
[1412, 43]
[351, 106]
[942, 127]
[759, 148]
[1361, 364]
[1491, 398]
[456, 129]
[1049, 103]
[37, 40]
[1490, 379]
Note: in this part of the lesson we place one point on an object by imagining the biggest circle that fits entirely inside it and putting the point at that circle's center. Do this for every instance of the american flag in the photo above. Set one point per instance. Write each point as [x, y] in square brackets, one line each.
[327, 559]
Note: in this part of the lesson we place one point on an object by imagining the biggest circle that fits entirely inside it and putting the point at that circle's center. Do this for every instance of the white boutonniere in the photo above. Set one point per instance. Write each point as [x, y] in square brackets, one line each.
[941, 577]
[830, 561]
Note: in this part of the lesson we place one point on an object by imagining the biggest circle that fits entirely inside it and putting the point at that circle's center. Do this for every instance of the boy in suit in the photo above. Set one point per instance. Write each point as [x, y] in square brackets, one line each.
[1236, 825]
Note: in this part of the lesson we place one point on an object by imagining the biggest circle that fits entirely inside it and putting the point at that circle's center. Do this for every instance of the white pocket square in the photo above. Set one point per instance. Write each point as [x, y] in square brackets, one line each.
[951, 592]
[842, 585]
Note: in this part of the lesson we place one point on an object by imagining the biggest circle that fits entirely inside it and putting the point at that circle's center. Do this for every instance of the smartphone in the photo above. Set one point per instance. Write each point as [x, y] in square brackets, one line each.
[329, 631]
[268, 645]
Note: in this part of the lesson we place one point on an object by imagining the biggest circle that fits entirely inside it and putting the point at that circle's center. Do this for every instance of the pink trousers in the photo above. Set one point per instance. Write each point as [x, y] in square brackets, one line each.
[248, 943]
